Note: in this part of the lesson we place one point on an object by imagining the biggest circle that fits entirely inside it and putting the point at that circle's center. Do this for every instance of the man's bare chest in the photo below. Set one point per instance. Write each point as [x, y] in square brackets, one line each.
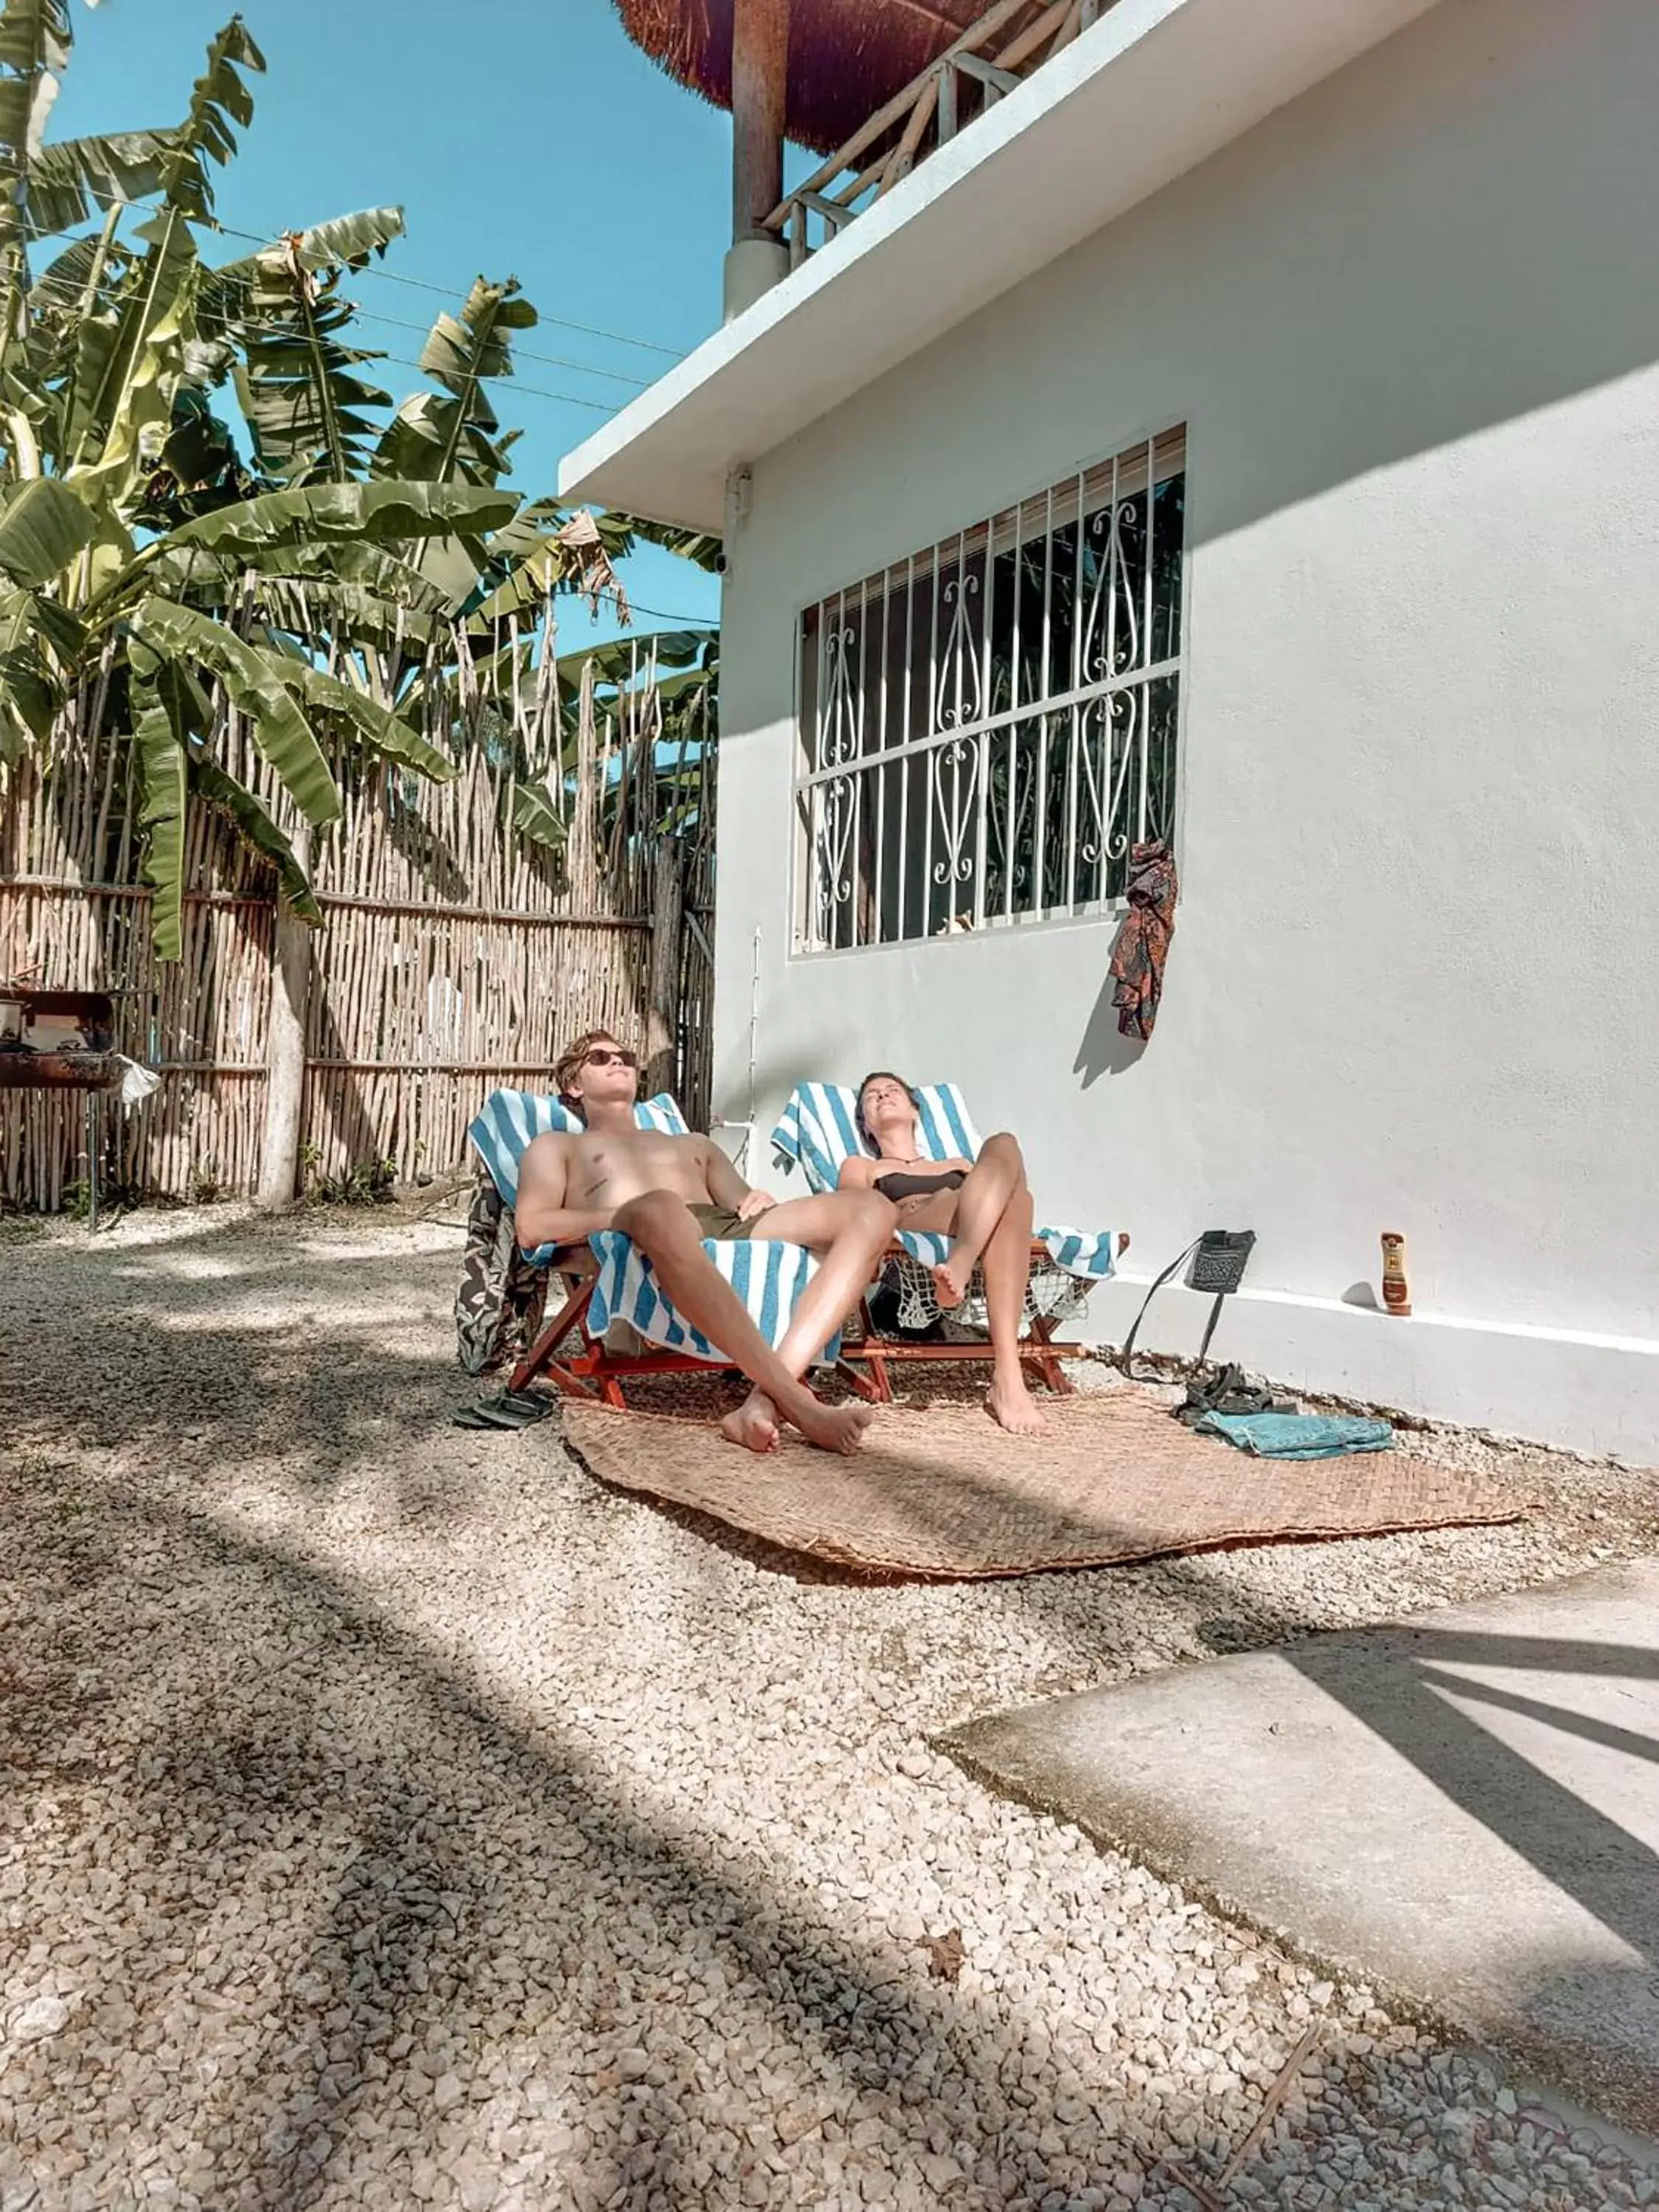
[621, 1167]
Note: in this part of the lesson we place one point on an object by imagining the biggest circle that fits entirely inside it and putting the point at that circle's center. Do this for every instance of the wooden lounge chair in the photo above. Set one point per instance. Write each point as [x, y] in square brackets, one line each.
[612, 1323]
[818, 1130]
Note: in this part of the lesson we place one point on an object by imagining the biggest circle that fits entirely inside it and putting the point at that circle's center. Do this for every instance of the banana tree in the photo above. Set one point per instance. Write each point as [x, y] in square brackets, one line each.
[343, 588]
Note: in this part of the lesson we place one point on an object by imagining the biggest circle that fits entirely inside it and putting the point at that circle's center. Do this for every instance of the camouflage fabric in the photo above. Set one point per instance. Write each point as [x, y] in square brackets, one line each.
[498, 1307]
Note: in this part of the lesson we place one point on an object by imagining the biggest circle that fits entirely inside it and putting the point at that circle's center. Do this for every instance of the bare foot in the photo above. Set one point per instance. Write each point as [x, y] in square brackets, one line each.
[754, 1425]
[1011, 1407]
[950, 1286]
[1122, 1243]
[832, 1428]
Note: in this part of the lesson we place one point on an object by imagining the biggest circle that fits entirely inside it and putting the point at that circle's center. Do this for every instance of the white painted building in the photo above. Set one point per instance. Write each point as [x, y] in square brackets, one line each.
[1376, 284]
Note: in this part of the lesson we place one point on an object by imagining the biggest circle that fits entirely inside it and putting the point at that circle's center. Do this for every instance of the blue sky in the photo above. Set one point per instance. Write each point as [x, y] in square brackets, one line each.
[521, 138]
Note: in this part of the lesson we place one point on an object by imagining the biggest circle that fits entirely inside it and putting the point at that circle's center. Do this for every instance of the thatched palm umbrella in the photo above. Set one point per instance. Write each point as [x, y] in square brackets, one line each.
[845, 58]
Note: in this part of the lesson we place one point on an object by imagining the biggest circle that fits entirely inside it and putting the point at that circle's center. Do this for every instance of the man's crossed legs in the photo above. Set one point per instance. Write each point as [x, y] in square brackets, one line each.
[846, 1231]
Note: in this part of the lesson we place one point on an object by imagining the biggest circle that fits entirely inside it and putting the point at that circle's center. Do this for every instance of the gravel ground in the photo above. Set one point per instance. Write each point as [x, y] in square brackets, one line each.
[394, 1817]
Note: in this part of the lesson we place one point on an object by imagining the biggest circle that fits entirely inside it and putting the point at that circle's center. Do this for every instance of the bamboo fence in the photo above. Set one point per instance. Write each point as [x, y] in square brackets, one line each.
[455, 956]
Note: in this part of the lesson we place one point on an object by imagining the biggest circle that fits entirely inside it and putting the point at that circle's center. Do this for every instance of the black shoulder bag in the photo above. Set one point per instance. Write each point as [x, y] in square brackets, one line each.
[1218, 1258]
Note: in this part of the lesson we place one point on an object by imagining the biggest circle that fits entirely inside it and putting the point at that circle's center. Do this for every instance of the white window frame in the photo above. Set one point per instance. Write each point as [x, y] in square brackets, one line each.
[920, 727]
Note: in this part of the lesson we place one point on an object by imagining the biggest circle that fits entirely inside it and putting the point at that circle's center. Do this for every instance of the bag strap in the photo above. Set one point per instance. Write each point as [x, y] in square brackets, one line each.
[1209, 1325]
[1126, 1357]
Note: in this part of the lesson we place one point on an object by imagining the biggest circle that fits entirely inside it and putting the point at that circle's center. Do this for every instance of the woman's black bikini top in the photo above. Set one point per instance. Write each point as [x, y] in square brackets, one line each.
[899, 1185]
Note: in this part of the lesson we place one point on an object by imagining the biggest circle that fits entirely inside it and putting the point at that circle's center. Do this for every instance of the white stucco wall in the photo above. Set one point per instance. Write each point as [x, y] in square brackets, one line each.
[1411, 325]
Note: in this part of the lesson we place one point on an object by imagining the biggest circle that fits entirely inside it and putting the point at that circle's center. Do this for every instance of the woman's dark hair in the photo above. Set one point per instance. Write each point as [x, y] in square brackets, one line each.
[879, 1075]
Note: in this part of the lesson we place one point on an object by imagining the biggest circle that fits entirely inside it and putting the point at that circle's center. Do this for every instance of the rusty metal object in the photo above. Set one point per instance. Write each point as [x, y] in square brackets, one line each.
[56, 1040]
[59, 1071]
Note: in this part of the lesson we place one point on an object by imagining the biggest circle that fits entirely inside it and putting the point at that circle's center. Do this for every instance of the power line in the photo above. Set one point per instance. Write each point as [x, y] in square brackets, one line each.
[562, 322]
[46, 282]
[520, 353]
[474, 376]
[660, 614]
[387, 276]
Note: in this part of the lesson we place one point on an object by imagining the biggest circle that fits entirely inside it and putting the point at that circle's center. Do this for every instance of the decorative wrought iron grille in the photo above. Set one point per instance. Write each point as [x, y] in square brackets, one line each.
[989, 727]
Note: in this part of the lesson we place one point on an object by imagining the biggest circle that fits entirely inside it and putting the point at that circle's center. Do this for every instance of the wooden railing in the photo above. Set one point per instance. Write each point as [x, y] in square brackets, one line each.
[1009, 43]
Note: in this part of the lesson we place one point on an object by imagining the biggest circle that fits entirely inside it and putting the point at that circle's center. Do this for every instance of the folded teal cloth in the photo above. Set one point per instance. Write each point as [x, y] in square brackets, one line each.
[1297, 1436]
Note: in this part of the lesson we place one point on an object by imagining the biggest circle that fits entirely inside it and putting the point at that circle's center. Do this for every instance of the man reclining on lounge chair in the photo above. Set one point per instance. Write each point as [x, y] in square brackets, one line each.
[668, 1193]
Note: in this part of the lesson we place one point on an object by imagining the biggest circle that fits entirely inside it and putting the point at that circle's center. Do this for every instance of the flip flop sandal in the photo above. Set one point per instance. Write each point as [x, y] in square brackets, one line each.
[513, 1409]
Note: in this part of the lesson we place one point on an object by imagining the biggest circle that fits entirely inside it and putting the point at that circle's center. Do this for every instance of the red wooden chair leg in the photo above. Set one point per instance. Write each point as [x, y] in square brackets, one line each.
[861, 1385]
[1046, 1362]
[553, 1334]
[594, 1372]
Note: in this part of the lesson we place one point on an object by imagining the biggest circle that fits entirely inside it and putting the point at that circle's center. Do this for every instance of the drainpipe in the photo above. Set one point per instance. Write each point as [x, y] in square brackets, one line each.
[760, 63]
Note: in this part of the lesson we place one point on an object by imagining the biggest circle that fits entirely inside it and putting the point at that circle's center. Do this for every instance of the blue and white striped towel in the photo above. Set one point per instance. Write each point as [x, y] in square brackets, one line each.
[509, 1119]
[819, 1129]
[769, 1278]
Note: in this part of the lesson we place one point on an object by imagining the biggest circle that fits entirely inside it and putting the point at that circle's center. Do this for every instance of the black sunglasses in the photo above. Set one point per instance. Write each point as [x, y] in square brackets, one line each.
[604, 1057]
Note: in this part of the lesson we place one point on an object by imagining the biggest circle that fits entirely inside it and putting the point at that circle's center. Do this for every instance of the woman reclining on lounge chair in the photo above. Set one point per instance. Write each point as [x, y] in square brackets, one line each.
[985, 1205]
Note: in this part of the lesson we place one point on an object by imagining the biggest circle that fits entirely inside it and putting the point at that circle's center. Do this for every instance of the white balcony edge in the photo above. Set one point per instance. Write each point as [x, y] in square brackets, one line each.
[1151, 89]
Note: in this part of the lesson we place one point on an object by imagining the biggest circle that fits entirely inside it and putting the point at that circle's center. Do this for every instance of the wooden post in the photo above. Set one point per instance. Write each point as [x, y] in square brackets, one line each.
[760, 60]
[662, 1017]
[285, 1050]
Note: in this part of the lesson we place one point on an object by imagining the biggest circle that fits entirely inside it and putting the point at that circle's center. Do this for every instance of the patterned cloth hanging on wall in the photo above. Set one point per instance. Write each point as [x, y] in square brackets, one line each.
[1142, 942]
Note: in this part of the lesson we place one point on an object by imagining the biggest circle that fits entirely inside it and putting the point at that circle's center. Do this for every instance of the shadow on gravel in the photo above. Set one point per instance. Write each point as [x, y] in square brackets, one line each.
[1613, 1874]
[348, 1870]
[242, 1343]
[368, 1918]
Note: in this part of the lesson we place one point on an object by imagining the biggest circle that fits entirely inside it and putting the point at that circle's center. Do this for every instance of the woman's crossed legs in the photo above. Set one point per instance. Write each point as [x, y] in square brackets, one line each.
[991, 1226]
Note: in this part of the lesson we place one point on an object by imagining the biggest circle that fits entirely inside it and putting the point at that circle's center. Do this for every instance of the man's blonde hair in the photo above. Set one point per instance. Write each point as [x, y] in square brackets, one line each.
[570, 1062]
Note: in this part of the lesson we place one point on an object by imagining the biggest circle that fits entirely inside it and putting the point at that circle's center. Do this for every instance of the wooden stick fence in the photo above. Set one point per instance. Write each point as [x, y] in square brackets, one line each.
[455, 955]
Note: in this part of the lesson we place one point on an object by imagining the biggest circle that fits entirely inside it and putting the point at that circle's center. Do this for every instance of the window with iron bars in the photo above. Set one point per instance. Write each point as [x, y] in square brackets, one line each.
[989, 728]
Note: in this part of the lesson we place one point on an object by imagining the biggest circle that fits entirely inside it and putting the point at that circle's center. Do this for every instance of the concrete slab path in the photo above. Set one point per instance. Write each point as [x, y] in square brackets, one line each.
[1463, 1808]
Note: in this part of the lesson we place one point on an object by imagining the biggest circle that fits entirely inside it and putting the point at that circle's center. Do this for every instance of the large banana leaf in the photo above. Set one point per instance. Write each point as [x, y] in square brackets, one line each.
[74, 179]
[534, 817]
[253, 682]
[161, 765]
[322, 588]
[25, 104]
[437, 437]
[256, 825]
[28, 698]
[35, 34]
[310, 414]
[533, 522]
[621, 533]
[189, 708]
[382, 729]
[344, 242]
[697, 546]
[352, 613]
[375, 568]
[376, 513]
[621, 660]
[130, 361]
[349, 241]
[572, 557]
[82, 282]
[219, 100]
[34, 44]
[43, 528]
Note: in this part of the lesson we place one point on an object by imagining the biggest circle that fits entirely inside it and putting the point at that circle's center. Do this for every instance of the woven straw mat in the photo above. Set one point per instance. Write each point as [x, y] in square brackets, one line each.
[943, 1491]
